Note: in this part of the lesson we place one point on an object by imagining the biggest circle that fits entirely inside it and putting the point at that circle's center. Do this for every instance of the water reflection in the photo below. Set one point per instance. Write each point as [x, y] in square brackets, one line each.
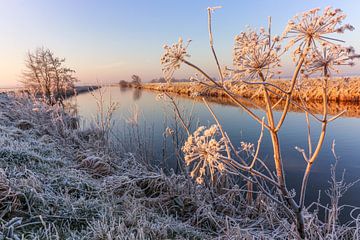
[241, 127]
[351, 109]
[137, 94]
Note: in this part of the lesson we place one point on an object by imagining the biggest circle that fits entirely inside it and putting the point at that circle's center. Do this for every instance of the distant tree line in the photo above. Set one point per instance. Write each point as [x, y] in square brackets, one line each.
[136, 81]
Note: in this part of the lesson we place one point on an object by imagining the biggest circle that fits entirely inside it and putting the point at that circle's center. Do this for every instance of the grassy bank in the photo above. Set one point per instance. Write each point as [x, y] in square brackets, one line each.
[340, 89]
[61, 182]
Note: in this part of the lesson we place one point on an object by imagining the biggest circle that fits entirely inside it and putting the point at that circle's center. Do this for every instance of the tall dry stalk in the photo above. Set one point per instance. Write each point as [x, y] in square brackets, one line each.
[103, 118]
[256, 59]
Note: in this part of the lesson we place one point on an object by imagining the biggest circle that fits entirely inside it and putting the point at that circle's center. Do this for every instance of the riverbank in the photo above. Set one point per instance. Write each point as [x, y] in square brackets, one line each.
[350, 105]
[352, 109]
[339, 89]
[58, 182]
[61, 182]
[69, 93]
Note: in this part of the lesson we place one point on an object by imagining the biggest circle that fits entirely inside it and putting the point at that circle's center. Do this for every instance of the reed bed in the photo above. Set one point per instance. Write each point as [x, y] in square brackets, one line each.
[341, 89]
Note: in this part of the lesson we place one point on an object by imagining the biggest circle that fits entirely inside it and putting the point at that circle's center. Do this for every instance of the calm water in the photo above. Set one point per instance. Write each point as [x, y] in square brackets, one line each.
[240, 127]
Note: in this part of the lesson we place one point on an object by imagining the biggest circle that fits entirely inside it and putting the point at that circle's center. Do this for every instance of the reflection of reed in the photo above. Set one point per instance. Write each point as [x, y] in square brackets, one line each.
[352, 109]
[123, 88]
[137, 94]
[343, 93]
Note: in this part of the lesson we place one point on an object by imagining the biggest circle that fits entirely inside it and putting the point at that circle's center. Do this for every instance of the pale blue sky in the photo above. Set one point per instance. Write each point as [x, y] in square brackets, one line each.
[110, 40]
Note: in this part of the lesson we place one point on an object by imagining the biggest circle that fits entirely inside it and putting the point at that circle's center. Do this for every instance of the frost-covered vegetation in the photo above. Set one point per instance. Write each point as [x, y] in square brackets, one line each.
[60, 182]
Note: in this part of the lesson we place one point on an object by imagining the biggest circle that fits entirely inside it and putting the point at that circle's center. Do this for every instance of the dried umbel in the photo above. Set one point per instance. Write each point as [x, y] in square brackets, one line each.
[328, 59]
[254, 54]
[311, 27]
[204, 153]
[247, 148]
[172, 58]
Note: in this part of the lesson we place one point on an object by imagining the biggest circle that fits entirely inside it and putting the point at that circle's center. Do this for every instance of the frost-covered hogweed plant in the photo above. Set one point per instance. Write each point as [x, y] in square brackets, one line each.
[257, 57]
[203, 152]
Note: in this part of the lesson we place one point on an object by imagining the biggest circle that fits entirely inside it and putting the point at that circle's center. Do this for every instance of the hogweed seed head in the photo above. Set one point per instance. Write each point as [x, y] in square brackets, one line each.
[310, 28]
[327, 59]
[247, 147]
[255, 53]
[172, 58]
[203, 153]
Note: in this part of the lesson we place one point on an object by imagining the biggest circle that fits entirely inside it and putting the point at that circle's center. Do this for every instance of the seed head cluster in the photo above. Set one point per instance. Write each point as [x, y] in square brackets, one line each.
[328, 59]
[203, 153]
[255, 53]
[172, 58]
[311, 28]
[247, 147]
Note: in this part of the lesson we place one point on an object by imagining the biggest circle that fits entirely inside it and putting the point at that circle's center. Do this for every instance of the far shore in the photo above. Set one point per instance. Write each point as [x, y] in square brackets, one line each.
[345, 89]
[344, 93]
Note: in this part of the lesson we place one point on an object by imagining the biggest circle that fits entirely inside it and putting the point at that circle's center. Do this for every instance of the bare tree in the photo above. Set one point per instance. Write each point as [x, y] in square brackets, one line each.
[136, 79]
[46, 75]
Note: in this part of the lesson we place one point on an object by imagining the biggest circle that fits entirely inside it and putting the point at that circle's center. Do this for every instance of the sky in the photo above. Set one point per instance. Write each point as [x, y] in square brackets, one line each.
[110, 40]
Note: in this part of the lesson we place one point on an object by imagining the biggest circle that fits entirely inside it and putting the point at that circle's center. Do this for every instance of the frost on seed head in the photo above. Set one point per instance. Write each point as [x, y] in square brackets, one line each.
[172, 57]
[204, 153]
[247, 147]
[310, 28]
[328, 58]
[254, 53]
